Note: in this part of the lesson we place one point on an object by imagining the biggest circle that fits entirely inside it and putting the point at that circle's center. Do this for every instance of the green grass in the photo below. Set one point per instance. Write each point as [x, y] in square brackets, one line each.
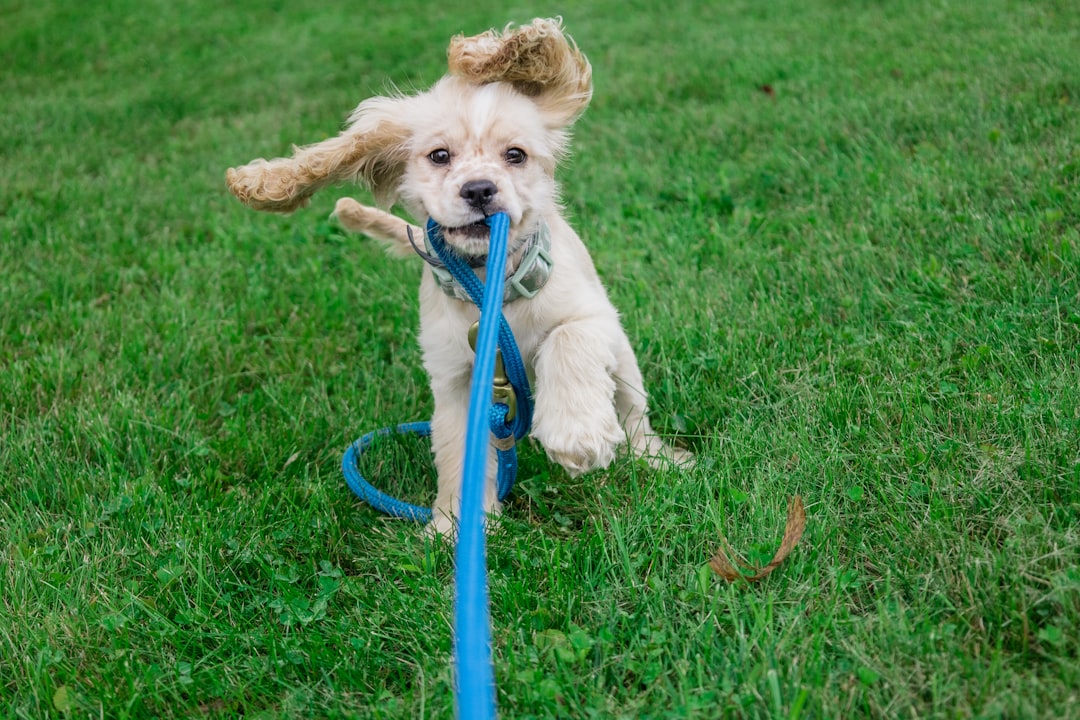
[861, 287]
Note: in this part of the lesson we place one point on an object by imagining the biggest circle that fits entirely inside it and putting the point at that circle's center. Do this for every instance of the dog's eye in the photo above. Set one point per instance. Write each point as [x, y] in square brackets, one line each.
[440, 156]
[515, 156]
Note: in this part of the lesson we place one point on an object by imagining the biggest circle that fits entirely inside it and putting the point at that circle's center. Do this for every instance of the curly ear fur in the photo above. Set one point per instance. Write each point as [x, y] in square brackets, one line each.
[538, 59]
[370, 150]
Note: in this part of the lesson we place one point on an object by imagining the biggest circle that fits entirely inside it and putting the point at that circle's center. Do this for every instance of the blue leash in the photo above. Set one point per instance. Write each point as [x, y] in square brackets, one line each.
[515, 367]
[472, 629]
[472, 624]
[500, 427]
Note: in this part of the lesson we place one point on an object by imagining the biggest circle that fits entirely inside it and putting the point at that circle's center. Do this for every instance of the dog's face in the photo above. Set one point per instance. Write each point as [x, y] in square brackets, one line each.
[474, 150]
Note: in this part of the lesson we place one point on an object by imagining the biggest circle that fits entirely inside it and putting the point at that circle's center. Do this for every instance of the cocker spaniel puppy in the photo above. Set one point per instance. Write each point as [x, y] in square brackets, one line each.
[485, 139]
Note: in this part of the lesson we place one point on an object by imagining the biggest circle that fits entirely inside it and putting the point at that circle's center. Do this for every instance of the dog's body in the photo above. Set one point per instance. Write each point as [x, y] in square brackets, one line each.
[486, 139]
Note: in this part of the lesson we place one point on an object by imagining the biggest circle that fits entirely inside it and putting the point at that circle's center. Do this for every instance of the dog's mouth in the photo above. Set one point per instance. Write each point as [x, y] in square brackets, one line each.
[474, 231]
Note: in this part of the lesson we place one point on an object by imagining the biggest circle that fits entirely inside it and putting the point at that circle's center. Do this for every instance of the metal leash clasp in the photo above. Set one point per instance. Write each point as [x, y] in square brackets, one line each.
[501, 390]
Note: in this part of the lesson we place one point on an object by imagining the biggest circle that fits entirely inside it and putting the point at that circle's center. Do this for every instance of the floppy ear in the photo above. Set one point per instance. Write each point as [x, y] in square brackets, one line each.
[371, 150]
[538, 59]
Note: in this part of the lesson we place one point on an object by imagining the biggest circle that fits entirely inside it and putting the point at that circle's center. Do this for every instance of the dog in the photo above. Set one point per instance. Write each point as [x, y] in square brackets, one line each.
[487, 138]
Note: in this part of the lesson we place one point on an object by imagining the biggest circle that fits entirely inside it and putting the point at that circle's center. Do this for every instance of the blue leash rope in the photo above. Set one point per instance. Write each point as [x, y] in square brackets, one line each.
[515, 367]
[500, 428]
[475, 675]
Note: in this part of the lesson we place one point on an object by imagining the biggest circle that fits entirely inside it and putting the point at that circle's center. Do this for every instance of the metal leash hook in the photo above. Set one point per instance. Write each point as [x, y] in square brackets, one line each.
[502, 391]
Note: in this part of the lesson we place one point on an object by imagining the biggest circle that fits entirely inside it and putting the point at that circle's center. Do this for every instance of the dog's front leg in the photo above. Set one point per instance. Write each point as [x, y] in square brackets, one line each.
[630, 404]
[448, 426]
[575, 416]
[373, 222]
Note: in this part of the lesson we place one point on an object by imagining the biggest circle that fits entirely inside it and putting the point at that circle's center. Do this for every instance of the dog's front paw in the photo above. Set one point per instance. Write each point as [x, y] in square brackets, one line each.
[441, 526]
[668, 456]
[682, 458]
[445, 528]
[581, 445]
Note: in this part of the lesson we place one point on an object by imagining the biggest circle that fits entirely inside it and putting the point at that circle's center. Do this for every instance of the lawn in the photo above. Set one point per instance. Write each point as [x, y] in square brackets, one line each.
[845, 239]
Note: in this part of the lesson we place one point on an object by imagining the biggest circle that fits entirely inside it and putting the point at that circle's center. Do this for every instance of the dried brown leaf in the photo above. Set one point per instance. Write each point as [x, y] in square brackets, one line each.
[723, 566]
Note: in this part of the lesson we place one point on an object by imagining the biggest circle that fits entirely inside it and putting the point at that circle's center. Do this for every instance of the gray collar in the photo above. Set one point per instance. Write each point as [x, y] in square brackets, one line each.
[531, 274]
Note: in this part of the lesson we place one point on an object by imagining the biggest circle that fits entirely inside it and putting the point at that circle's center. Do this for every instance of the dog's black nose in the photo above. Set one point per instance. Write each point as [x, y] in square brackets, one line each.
[478, 193]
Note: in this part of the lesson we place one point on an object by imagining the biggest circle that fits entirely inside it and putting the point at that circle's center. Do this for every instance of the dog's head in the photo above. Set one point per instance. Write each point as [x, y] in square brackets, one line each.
[486, 138]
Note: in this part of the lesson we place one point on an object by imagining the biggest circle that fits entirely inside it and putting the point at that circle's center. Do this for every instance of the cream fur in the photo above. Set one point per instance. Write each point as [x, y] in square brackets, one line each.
[519, 89]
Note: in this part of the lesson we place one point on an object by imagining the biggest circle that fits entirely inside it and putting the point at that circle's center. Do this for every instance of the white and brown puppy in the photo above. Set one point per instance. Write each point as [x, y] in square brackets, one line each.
[485, 139]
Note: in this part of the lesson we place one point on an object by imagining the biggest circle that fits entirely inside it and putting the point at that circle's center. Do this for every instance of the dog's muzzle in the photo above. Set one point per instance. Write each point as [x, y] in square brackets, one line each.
[475, 231]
